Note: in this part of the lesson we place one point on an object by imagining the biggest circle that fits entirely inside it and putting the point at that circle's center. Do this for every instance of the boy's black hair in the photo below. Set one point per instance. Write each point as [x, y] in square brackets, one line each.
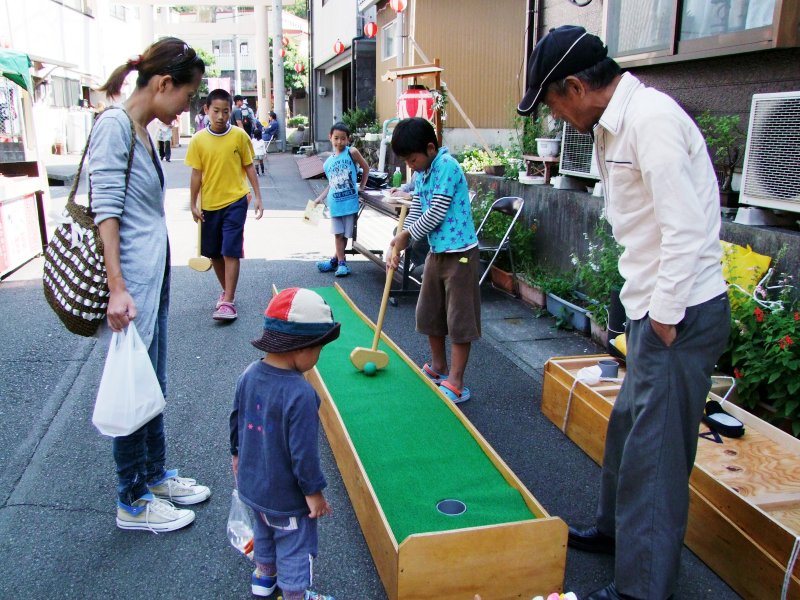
[339, 126]
[273, 115]
[237, 97]
[219, 94]
[413, 135]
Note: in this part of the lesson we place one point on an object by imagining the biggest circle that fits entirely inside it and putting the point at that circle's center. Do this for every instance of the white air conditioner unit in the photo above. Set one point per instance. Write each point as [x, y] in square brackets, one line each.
[771, 172]
[322, 91]
[577, 154]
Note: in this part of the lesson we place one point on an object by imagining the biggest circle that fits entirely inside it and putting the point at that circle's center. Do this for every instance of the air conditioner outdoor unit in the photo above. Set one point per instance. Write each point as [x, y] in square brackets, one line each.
[577, 154]
[771, 172]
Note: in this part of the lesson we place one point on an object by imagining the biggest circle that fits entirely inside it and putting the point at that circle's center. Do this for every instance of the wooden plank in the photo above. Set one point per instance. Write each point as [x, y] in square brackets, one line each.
[310, 167]
[744, 494]
[527, 556]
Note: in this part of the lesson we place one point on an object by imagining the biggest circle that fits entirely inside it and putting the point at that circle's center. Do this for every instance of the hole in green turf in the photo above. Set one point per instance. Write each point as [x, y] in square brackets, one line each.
[451, 507]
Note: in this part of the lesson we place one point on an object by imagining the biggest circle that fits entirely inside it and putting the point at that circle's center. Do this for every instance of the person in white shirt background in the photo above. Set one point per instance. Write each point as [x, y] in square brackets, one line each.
[661, 198]
[164, 141]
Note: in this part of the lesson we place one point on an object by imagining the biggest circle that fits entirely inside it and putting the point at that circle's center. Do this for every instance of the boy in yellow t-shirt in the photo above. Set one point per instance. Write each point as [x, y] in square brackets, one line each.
[219, 155]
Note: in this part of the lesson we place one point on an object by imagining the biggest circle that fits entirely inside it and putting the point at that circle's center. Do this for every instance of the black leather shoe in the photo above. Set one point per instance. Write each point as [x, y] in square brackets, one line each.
[591, 540]
[607, 593]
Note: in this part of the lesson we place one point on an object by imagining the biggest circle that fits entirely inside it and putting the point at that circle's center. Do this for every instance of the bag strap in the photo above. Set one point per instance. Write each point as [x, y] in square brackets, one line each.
[73, 191]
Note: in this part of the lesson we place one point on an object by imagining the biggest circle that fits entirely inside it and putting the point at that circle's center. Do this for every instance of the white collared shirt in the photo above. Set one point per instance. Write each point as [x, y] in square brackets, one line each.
[662, 200]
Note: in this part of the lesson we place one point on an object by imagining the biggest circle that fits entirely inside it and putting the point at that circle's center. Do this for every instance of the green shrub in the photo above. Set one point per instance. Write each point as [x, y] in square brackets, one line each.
[297, 120]
[496, 225]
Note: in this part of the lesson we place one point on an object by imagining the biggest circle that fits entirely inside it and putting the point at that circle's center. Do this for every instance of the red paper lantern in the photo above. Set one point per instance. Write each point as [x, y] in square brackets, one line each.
[370, 29]
[338, 47]
[285, 41]
[299, 67]
[398, 5]
[283, 52]
[416, 101]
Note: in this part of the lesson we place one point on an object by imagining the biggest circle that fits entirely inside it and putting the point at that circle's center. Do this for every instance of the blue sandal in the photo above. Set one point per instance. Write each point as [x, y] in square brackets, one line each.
[431, 374]
[453, 394]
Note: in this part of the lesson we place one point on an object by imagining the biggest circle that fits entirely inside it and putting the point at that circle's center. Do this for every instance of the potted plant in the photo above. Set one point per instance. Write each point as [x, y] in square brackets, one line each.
[598, 277]
[561, 302]
[763, 352]
[725, 141]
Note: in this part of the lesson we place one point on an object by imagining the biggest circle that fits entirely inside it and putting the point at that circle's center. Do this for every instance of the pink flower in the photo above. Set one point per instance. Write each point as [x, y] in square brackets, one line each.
[797, 316]
[759, 314]
[737, 373]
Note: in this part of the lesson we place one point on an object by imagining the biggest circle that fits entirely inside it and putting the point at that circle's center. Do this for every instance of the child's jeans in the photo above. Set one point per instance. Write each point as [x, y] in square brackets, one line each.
[289, 543]
[140, 456]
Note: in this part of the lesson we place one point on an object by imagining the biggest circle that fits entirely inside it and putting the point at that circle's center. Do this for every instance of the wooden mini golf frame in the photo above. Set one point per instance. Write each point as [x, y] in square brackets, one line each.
[744, 494]
[508, 560]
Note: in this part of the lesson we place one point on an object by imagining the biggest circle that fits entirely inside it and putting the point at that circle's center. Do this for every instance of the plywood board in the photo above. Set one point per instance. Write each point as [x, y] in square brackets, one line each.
[744, 493]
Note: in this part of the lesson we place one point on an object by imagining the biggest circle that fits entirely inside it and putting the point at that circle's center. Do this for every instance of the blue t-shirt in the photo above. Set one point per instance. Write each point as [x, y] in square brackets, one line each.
[445, 178]
[275, 426]
[343, 190]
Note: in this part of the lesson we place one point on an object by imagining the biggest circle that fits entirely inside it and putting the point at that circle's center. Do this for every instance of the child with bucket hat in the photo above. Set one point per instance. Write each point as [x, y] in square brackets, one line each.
[274, 430]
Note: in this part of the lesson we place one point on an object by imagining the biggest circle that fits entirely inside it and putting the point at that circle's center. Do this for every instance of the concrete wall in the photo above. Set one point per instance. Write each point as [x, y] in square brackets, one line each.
[563, 217]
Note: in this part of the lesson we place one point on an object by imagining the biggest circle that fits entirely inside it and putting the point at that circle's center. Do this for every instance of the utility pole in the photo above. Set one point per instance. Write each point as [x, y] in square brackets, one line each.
[278, 84]
[237, 74]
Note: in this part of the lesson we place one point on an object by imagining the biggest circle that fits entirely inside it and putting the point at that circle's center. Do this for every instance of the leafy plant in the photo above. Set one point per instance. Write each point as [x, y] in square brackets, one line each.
[598, 272]
[725, 140]
[763, 351]
[440, 101]
[297, 120]
[357, 118]
[521, 237]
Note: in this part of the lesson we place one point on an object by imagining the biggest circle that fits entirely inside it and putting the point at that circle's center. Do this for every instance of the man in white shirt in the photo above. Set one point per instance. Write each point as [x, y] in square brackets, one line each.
[662, 200]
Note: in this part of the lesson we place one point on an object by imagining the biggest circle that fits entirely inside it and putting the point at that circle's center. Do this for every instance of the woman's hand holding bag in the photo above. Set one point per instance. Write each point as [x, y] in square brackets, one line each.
[129, 395]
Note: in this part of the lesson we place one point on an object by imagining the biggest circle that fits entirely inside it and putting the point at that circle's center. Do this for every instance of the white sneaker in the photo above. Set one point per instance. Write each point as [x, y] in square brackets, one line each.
[152, 514]
[180, 490]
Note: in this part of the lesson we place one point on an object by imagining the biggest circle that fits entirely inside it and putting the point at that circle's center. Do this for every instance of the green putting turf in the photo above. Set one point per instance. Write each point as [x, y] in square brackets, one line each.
[414, 450]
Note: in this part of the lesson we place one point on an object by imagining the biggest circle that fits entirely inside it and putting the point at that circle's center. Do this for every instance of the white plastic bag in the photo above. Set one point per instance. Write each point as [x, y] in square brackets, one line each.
[129, 395]
[240, 527]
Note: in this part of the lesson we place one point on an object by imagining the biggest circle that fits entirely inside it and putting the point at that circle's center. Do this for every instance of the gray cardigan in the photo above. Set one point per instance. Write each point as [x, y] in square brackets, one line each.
[143, 228]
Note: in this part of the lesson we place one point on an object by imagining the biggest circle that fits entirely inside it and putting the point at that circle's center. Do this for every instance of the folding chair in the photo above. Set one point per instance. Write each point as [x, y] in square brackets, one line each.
[510, 206]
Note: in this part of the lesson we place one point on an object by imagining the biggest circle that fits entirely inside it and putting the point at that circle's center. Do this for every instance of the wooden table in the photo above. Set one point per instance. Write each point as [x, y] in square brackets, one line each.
[375, 200]
[540, 165]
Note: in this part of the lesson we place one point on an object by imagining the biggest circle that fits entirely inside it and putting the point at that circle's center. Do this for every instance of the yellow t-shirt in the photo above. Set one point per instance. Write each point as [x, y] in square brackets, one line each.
[222, 159]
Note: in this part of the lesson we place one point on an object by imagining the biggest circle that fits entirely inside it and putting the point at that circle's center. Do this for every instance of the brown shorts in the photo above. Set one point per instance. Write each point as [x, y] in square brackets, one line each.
[450, 299]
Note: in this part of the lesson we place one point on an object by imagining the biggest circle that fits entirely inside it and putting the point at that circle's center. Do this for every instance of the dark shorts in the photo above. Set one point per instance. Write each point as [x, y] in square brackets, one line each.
[223, 231]
[450, 299]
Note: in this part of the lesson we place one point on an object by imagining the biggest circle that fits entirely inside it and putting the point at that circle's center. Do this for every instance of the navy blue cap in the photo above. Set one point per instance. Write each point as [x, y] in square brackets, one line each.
[564, 51]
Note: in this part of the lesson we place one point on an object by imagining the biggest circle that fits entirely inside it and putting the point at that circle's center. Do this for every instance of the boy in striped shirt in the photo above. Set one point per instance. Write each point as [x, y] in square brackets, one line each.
[449, 300]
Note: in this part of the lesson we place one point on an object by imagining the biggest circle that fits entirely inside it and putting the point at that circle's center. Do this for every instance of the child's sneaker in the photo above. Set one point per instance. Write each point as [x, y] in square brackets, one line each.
[226, 311]
[180, 490]
[343, 270]
[152, 514]
[326, 266]
[262, 585]
[317, 596]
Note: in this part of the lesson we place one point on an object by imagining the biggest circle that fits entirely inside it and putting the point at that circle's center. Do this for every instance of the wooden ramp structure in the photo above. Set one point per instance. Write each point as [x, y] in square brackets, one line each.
[744, 494]
[402, 449]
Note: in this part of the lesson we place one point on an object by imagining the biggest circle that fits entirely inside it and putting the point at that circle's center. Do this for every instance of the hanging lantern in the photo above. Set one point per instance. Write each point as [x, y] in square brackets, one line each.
[416, 101]
[398, 5]
[285, 41]
[299, 67]
[283, 52]
[338, 47]
[370, 29]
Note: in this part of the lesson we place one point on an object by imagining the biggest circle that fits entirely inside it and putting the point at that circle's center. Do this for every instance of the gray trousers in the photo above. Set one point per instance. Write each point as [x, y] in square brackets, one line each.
[651, 445]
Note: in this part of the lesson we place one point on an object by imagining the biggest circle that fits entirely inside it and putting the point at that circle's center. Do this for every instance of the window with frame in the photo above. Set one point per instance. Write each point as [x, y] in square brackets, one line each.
[389, 40]
[649, 31]
[222, 47]
[118, 11]
[84, 6]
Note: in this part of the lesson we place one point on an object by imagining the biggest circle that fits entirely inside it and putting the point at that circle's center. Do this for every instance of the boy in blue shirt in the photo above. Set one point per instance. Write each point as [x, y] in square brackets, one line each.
[342, 190]
[449, 300]
[274, 433]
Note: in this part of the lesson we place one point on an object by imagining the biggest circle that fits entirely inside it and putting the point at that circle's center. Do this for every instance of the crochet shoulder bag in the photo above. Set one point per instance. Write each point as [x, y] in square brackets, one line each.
[75, 281]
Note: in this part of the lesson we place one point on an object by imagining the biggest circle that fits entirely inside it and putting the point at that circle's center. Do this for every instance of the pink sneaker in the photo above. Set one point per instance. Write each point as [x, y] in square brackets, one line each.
[225, 312]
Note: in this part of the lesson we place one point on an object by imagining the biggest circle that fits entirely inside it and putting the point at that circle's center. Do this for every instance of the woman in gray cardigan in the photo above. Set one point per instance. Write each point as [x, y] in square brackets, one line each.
[130, 217]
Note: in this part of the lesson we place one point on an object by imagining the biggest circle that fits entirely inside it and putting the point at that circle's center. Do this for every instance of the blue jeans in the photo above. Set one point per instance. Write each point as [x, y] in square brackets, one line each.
[140, 456]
